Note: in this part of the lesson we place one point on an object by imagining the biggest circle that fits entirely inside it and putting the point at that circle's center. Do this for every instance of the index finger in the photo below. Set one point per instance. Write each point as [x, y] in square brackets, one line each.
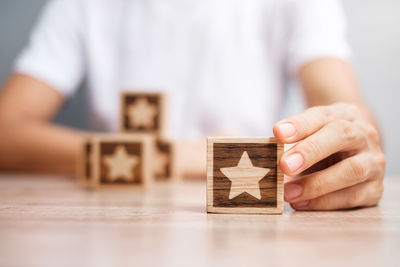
[298, 127]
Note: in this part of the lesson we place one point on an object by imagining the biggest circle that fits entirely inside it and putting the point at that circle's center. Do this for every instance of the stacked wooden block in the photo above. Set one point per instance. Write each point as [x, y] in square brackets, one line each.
[243, 174]
[139, 154]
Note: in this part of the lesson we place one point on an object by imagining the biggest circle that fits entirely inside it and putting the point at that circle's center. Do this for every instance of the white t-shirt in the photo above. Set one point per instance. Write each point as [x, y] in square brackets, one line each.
[224, 64]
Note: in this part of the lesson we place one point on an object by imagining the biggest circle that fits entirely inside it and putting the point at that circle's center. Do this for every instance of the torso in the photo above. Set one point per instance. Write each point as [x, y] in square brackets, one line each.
[221, 63]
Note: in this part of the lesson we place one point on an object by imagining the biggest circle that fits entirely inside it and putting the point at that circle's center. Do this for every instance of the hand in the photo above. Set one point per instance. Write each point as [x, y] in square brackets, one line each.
[337, 163]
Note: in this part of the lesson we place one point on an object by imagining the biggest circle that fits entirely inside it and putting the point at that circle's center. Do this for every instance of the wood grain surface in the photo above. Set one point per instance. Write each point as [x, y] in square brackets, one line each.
[53, 221]
[223, 152]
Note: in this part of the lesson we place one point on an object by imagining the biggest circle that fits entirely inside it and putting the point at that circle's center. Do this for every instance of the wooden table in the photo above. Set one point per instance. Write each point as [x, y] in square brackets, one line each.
[52, 221]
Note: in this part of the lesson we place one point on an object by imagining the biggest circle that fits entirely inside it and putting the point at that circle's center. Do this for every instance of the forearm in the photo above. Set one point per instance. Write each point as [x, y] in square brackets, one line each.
[328, 81]
[38, 146]
[28, 140]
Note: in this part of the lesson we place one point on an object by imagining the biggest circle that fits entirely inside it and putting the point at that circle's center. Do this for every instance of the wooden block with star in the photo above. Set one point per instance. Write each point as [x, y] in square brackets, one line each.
[243, 175]
[116, 159]
[143, 112]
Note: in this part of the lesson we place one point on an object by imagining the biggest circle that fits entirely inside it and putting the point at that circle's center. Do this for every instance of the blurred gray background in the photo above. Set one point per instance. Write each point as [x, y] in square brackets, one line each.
[374, 33]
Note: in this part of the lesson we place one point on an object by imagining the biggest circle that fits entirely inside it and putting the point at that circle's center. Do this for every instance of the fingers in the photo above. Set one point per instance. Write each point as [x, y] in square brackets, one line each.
[298, 127]
[349, 172]
[339, 135]
[322, 133]
[361, 195]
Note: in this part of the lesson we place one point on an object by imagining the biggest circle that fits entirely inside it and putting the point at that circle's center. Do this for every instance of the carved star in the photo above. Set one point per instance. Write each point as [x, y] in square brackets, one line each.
[120, 164]
[245, 177]
[160, 163]
[141, 113]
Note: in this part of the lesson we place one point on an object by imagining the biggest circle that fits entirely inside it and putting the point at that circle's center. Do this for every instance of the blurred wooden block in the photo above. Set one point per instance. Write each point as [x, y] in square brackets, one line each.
[243, 175]
[164, 160]
[116, 159]
[143, 113]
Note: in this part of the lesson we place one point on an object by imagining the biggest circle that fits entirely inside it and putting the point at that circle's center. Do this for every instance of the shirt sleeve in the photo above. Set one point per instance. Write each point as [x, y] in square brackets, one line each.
[318, 29]
[54, 53]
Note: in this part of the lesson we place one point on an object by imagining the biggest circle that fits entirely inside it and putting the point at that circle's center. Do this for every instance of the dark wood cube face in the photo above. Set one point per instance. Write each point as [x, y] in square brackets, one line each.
[164, 150]
[112, 171]
[88, 164]
[262, 155]
[131, 120]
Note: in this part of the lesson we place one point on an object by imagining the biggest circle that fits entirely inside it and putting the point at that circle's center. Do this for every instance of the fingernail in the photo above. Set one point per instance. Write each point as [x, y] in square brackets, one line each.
[294, 161]
[301, 204]
[292, 191]
[287, 129]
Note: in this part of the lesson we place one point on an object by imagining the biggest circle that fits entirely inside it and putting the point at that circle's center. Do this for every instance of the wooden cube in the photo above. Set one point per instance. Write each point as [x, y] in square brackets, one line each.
[143, 113]
[116, 159]
[164, 160]
[243, 175]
